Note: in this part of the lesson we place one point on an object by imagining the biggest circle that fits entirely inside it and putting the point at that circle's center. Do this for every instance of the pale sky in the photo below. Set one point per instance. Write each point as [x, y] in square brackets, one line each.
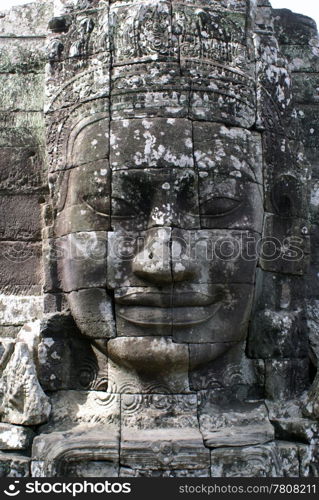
[308, 7]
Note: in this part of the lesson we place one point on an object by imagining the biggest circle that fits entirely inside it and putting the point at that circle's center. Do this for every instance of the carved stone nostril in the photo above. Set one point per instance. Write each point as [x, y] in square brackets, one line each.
[151, 255]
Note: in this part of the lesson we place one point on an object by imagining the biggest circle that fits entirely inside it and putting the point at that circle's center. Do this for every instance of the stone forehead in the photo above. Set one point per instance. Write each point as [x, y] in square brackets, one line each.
[162, 142]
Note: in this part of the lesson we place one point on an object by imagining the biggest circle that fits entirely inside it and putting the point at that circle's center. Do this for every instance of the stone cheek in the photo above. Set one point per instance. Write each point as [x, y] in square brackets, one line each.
[93, 311]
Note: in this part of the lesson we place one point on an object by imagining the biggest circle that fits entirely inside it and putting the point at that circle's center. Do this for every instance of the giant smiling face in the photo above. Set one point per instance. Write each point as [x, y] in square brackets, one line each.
[158, 203]
[158, 239]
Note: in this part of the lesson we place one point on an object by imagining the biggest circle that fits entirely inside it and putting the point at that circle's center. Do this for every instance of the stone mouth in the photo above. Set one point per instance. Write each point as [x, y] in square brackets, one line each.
[172, 299]
[179, 317]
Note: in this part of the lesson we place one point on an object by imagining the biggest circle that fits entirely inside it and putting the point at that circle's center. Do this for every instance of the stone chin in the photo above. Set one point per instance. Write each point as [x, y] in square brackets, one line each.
[156, 355]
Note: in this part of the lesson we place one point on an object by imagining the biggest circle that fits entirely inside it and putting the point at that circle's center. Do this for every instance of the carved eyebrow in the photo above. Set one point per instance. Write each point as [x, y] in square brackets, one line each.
[253, 172]
[250, 176]
[246, 171]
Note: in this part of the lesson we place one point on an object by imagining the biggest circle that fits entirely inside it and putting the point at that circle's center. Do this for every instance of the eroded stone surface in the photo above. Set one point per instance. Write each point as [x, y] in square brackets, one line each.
[67, 362]
[289, 422]
[83, 408]
[163, 449]
[66, 453]
[268, 460]
[23, 401]
[12, 465]
[17, 310]
[128, 472]
[162, 411]
[224, 422]
[14, 437]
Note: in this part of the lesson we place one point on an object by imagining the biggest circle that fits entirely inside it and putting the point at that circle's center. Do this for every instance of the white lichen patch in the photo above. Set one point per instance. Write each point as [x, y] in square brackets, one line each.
[315, 195]
[17, 310]
[13, 437]
[55, 356]
[113, 140]
[147, 124]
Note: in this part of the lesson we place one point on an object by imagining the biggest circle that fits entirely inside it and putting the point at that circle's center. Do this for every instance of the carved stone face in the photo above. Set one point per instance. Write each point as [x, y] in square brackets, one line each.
[171, 128]
[163, 235]
[159, 205]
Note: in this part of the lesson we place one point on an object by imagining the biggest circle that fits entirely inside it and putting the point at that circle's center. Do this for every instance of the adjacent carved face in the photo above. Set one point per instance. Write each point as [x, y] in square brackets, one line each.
[162, 234]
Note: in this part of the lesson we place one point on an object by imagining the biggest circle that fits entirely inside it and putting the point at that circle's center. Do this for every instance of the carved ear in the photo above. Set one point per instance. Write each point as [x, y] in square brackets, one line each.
[287, 196]
[88, 141]
[58, 184]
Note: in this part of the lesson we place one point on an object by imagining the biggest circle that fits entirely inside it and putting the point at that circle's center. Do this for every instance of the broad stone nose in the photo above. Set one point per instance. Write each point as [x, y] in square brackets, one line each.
[153, 262]
[184, 268]
[162, 260]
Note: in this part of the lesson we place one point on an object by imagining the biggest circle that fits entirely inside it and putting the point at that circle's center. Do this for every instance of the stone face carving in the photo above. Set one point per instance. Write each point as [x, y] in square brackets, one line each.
[176, 241]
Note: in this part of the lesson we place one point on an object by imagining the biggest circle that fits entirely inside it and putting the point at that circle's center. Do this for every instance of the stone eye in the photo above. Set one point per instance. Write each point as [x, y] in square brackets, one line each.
[99, 204]
[123, 208]
[219, 206]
